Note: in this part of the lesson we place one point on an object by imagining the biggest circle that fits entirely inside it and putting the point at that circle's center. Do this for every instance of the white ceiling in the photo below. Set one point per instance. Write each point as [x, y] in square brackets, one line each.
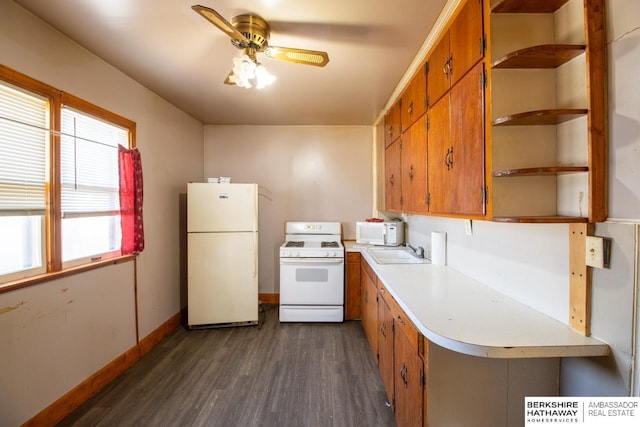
[175, 52]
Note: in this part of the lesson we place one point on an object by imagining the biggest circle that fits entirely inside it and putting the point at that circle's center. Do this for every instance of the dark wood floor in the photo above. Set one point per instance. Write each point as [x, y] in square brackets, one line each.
[289, 374]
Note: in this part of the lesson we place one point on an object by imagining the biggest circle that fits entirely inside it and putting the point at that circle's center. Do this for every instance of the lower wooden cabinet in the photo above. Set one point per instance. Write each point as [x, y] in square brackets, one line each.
[352, 295]
[430, 385]
[409, 382]
[386, 347]
[369, 306]
[397, 346]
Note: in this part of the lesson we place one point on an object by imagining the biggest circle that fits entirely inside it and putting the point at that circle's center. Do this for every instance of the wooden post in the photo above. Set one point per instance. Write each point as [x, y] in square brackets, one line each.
[579, 278]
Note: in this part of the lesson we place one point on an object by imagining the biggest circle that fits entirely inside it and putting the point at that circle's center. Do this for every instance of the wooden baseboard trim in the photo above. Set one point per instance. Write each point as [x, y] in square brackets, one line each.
[58, 410]
[269, 298]
[69, 402]
[151, 340]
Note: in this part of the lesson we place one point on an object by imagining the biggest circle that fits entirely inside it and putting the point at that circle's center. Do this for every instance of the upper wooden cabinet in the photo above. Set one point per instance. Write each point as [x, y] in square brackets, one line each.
[456, 164]
[406, 170]
[413, 161]
[392, 126]
[414, 99]
[393, 176]
[547, 130]
[459, 49]
[516, 113]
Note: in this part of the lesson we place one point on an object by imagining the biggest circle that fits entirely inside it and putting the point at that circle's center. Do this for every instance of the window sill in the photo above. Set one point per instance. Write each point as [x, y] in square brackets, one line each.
[41, 278]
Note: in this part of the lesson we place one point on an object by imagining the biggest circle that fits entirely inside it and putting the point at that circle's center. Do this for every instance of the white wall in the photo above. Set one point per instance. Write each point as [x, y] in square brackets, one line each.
[305, 173]
[56, 334]
[529, 262]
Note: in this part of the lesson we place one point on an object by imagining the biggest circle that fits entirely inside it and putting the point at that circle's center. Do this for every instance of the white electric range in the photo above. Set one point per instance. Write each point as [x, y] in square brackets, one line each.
[312, 272]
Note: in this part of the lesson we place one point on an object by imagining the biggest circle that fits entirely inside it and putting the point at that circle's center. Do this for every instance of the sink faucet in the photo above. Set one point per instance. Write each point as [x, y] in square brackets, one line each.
[419, 251]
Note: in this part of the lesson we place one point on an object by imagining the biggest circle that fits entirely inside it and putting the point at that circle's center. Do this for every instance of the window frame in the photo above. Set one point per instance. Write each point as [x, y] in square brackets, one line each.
[53, 217]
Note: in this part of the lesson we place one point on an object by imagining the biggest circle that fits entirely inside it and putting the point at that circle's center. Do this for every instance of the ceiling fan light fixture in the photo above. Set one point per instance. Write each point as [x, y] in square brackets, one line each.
[263, 77]
[243, 70]
[250, 33]
[246, 68]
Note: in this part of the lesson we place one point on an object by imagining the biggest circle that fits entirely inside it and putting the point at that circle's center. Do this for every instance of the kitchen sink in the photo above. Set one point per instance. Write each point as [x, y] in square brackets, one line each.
[395, 256]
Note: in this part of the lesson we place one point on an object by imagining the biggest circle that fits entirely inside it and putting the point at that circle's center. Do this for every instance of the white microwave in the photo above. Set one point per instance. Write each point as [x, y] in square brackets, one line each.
[380, 233]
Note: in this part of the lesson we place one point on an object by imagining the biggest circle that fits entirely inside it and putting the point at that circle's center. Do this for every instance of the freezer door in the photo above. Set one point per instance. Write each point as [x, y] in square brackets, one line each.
[222, 278]
[222, 207]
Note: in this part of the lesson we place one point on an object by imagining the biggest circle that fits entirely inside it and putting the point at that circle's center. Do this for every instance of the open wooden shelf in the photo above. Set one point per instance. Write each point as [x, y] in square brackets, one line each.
[555, 219]
[540, 117]
[551, 170]
[541, 56]
[527, 6]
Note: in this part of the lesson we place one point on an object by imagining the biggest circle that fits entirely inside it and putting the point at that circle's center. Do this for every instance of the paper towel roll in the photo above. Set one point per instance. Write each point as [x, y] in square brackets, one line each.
[438, 248]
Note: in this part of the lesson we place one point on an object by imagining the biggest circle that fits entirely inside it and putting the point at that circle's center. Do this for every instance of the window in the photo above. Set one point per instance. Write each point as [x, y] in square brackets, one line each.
[23, 176]
[59, 179]
[89, 185]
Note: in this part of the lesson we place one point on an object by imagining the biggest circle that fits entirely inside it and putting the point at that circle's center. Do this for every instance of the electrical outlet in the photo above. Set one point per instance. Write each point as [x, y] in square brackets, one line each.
[468, 227]
[598, 250]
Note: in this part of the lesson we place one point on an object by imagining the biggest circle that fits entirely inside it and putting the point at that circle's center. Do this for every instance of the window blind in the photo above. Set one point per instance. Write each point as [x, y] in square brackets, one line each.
[24, 140]
[89, 165]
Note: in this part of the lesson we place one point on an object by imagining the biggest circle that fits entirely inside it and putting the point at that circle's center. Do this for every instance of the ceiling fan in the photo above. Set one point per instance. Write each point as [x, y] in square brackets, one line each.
[250, 33]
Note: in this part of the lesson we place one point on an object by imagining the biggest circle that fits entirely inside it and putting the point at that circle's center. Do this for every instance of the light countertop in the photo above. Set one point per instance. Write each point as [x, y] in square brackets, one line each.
[466, 316]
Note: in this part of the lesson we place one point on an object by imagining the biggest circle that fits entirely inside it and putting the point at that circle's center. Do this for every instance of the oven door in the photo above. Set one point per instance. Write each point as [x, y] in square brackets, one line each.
[312, 281]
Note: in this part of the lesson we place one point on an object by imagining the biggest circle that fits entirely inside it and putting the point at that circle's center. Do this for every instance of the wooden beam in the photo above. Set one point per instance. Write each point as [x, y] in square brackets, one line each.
[579, 278]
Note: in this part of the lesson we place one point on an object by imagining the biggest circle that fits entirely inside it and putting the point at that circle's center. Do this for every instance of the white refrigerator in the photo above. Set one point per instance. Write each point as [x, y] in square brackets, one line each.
[222, 254]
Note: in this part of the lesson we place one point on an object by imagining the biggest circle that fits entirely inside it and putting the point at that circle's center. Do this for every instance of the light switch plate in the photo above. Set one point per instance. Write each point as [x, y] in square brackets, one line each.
[597, 251]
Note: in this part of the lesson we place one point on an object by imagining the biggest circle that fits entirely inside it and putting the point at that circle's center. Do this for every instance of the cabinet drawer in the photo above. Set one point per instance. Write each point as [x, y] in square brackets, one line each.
[353, 257]
[369, 272]
[401, 321]
[386, 296]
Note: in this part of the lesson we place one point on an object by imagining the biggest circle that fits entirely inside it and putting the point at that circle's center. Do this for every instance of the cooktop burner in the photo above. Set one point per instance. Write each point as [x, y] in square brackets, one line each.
[329, 244]
[294, 244]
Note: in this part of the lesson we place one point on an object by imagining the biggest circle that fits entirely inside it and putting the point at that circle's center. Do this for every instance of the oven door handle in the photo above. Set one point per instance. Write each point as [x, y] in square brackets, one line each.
[312, 261]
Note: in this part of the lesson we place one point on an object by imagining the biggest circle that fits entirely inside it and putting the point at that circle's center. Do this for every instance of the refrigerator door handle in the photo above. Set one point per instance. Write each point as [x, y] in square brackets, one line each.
[255, 254]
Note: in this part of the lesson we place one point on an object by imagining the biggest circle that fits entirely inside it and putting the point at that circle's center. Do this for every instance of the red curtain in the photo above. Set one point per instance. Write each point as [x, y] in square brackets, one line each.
[130, 166]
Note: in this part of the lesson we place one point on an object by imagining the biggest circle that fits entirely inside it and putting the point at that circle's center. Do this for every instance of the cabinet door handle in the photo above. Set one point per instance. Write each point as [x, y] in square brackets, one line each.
[403, 375]
[383, 330]
[447, 68]
[410, 109]
[392, 180]
[366, 296]
[448, 158]
[400, 320]
[411, 173]
[390, 131]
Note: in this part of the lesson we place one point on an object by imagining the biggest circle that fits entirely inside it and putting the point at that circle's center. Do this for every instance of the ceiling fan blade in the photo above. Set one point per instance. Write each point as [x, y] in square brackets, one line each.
[216, 19]
[298, 56]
